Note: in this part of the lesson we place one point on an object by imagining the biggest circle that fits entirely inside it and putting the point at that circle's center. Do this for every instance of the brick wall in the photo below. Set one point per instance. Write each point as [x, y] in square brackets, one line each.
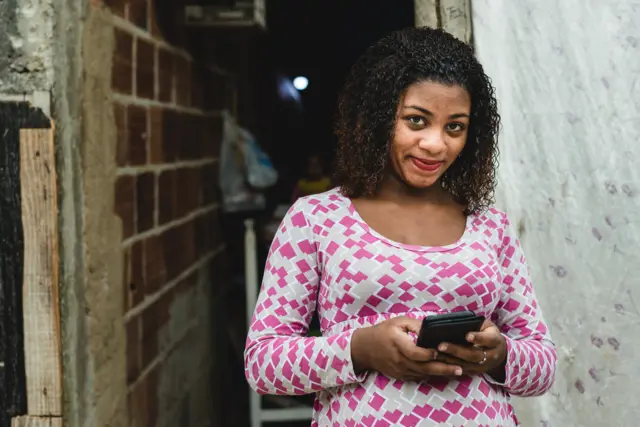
[166, 108]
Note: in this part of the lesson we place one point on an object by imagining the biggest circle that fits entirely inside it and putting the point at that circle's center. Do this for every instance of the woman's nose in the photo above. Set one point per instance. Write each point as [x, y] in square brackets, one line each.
[433, 142]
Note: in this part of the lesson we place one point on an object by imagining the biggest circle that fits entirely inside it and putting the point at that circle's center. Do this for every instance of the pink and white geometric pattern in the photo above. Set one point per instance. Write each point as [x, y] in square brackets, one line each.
[325, 254]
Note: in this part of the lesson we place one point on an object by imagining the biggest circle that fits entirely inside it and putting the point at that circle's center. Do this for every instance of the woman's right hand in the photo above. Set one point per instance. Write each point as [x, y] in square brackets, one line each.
[389, 349]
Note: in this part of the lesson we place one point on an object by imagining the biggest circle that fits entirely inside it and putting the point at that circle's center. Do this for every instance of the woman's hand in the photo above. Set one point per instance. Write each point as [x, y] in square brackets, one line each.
[488, 353]
[389, 349]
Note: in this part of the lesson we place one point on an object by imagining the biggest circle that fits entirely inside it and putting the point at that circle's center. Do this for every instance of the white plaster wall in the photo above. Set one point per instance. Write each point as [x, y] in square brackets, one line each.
[568, 80]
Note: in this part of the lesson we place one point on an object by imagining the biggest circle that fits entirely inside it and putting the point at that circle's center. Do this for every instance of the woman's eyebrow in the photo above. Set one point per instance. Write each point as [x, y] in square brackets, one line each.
[429, 113]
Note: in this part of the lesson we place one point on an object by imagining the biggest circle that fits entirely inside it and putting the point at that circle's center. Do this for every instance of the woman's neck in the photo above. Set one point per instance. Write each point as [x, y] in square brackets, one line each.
[395, 190]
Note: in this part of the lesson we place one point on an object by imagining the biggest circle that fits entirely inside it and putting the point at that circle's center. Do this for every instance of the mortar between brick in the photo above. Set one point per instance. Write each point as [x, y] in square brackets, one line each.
[151, 299]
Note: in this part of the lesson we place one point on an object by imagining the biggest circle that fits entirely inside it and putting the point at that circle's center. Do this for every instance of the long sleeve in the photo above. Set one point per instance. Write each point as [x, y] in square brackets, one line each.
[279, 357]
[531, 356]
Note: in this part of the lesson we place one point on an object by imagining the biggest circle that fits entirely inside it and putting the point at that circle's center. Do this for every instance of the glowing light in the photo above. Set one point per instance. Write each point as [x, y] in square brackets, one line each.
[300, 83]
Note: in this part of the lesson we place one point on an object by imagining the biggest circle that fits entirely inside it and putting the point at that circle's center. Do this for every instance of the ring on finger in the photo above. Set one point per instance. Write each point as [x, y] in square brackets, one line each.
[484, 358]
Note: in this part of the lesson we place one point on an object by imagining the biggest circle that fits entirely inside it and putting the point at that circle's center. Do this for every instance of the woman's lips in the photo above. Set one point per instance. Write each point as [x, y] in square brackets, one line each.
[427, 165]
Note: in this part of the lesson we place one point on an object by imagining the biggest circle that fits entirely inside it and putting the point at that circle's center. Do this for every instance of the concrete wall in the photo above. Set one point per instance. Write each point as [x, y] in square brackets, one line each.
[26, 54]
[137, 139]
[41, 61]
[567, 79]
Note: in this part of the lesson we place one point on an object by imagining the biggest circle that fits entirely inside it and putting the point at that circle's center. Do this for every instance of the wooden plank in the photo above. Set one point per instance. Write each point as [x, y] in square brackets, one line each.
[40, 284]
[13, 117]
[29, 421]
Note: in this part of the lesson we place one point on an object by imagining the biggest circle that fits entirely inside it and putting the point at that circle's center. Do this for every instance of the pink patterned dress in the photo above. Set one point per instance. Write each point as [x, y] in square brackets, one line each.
[325, 255]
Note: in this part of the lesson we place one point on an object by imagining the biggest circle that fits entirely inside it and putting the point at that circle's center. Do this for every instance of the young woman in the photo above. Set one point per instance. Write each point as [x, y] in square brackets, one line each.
[410, 232]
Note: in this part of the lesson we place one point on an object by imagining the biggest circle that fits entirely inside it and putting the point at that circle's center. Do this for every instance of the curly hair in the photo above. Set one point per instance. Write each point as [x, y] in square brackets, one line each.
[368, 105]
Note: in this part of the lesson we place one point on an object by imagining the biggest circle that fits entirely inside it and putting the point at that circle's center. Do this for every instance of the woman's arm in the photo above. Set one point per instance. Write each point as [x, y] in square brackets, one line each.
[279, 357]
[530, 366]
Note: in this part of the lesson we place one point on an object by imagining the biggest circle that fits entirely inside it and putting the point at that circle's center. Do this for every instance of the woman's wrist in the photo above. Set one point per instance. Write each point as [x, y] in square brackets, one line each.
[359, 351]
[499, 373]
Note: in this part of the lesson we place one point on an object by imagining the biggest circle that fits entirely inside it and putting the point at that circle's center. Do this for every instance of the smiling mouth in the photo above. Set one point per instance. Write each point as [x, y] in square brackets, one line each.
[427, 165]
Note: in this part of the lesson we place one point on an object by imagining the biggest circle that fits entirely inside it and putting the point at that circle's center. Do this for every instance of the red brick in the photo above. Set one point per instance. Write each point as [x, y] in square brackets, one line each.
[145, 201]
[152, 397]
[153, 22]
[145, 69]
[124, 201]
[171, 134]
[122, 134]
[172, 252]
[165, 75]
[136, 279]
[180, 248]
[191, 145]
[138, 406]
[137, 124]
[188, 190]
[156, 150]
[167, 196]
[138, 13]
[210, 186]
[149, 336]
[117, 6]
[163, 309]
[122, 62]
[126, 279]
[183, 81]
[187, 284]
[143, 401]
[154, 264]
[188, 245]
[212, 135]
[133, 350]
[203, 234]
[168, 22]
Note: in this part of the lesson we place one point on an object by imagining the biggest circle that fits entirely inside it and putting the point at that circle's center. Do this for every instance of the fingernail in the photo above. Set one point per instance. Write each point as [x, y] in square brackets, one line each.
[458, 371]
[442, 347]
[435, 355]
[470, 337]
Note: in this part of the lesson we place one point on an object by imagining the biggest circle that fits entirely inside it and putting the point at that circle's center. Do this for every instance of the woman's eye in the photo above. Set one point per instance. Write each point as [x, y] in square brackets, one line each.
[415, 120]
[455, 127]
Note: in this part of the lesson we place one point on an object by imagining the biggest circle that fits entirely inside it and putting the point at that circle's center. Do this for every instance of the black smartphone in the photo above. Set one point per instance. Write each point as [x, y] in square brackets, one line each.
[449, 327]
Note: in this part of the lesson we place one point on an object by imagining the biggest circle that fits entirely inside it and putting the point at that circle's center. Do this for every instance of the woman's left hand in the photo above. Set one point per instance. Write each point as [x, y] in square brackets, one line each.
[487, 354]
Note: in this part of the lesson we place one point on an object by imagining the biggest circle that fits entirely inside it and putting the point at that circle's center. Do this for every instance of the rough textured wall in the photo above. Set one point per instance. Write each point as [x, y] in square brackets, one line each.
[166, 193]
[567, 80]
[136, 293]
[102, 277]
[26, 53]
[68, 69]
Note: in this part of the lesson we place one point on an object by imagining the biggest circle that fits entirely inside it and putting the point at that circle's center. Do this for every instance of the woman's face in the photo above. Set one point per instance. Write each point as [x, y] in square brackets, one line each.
[430, 132]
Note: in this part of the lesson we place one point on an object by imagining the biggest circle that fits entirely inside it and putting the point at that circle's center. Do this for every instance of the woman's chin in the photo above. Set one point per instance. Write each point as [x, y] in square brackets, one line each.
[421, 184]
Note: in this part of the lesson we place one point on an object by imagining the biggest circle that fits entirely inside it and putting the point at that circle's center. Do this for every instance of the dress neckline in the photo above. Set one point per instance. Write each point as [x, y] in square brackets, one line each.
[414, 248]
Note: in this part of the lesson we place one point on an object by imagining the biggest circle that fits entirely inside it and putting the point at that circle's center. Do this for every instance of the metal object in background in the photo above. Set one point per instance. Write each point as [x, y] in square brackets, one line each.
[258, 414]
[240, 14]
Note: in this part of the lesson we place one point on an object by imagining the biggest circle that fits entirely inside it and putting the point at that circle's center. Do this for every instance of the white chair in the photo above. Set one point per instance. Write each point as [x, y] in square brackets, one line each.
[258, 414]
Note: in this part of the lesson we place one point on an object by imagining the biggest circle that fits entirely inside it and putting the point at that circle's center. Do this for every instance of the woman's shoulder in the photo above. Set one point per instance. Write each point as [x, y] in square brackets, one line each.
[492, 217]
[330, 203]
[494, 223]
[329, 200]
